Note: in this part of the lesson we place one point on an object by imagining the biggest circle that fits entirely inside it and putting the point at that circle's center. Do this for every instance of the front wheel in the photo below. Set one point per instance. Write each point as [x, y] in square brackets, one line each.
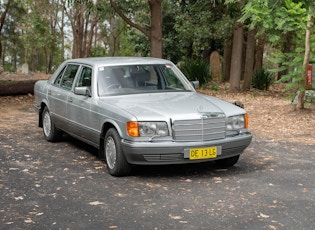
[51, 133]
[228, 162]
[117, 164]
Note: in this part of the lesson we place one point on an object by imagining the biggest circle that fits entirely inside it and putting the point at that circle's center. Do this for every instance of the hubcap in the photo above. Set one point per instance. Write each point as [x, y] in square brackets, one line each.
[47, 124]
[110, 150]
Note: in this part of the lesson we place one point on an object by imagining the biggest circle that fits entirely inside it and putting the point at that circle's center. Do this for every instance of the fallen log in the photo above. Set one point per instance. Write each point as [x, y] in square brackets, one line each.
[19, 84]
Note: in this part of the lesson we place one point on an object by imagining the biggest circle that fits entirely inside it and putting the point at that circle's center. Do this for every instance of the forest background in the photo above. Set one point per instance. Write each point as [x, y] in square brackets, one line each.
[259, 41]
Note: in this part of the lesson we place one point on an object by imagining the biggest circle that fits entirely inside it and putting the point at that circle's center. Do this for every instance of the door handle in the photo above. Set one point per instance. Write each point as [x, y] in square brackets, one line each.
[70, 99]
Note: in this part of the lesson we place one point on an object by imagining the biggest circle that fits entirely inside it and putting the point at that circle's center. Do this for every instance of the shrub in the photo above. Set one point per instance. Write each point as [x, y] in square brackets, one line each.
[262, 80]
[196, 69]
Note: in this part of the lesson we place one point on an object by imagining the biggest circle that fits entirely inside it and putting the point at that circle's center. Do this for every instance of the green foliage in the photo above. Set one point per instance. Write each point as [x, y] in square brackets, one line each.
[10, 38]
[196, 69]
[275, 16]
[202, 26]
[292, 62]
[277, 21]
[214, 87]
[262, 80]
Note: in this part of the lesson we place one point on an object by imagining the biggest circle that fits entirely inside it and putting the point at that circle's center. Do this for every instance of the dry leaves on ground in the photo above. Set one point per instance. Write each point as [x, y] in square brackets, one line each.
[272, 116]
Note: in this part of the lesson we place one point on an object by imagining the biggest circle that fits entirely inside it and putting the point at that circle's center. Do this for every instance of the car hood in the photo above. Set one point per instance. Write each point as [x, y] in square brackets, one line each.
[175, 105]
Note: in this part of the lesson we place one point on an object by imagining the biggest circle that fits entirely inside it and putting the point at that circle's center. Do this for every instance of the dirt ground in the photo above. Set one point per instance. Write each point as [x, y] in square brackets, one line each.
[271, 115]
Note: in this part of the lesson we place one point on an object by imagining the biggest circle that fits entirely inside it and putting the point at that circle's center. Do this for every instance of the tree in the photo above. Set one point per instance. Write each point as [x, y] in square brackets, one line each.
[249, 59]
[300, 103]
[154, 33]
[279, 19]
[236, 60]
[12, 45]
[206, 33]
[227, 56]
[2, 20]
[39, 34]
[84, 16]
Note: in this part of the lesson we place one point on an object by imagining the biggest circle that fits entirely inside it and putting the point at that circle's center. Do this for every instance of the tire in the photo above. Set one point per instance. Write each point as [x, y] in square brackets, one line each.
[117, 164]
[228, 162]
[51, 133]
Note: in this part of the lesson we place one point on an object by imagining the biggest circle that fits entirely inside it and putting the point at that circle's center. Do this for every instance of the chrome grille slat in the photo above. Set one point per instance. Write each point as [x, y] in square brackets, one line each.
[204, 129]
[163, 157]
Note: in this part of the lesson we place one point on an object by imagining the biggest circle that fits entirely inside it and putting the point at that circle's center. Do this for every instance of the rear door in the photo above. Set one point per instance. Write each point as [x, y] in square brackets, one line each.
[58, 93]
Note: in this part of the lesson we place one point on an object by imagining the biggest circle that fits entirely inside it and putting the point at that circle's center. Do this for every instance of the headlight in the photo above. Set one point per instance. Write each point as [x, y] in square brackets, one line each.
[147, 129]
[237, 122]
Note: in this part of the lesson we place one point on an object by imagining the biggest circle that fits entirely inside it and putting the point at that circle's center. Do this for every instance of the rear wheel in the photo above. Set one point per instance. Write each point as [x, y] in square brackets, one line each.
[117, 164]
[228, 162]
[51, 133]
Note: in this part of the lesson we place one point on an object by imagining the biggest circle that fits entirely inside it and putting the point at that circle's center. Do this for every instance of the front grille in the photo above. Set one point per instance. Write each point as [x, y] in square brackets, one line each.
[204, 129]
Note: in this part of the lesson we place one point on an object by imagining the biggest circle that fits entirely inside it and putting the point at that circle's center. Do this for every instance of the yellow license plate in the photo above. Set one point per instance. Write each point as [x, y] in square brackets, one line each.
[203, 153]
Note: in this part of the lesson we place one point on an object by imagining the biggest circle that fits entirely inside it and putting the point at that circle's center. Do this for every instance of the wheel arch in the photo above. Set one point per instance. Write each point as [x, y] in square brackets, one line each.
[43, 105]
[106, 126]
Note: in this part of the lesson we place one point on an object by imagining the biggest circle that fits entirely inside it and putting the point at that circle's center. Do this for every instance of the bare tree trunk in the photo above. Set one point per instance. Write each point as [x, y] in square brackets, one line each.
[236, 62]
[92, 32]
[62, 31]
[112, 38]
[249, 59]
[85, 35]
[2, 19]
[156, 28]
[259, 54]
[155, 34]
[77, 29]
[227, 59]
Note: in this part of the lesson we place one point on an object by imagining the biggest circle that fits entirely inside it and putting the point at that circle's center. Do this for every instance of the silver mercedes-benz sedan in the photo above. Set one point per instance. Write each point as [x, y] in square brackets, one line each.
[139, 111]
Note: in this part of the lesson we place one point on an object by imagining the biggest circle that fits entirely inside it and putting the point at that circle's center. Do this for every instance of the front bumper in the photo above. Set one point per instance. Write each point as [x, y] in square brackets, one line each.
[163, 153]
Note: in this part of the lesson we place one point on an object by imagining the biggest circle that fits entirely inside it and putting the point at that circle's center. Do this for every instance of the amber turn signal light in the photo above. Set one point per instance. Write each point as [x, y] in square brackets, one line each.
[133, 129]
[246, 120]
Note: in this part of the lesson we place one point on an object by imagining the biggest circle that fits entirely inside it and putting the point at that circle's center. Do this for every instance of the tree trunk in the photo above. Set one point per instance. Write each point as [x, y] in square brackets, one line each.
[259, 56]
[112, 38]
[300, 103]
[62, 32]
[85, 36]
[77, 30]
[155, 34]
[156, 28]
[91, 35]
[2, 19]
[227, 60]
[249, 59]
[236, 61]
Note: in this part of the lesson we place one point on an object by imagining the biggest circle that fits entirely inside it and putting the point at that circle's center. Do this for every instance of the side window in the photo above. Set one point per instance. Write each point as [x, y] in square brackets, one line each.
[69, 75]
[85, 77]
[58, 79]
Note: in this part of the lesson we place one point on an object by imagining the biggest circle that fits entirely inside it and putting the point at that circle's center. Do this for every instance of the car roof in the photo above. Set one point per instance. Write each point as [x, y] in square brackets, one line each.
[99, 61]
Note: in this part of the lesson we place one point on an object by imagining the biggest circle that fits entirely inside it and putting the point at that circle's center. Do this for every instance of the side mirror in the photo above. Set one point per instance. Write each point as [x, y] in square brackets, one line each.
[195, 84]
[84, 91]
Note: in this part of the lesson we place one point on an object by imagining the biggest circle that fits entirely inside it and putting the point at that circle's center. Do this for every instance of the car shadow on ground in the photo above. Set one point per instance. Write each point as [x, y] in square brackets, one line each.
[247, 164]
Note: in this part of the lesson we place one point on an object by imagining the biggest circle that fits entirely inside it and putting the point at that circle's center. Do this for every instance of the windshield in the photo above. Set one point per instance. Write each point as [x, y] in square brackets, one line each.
[138, 79]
